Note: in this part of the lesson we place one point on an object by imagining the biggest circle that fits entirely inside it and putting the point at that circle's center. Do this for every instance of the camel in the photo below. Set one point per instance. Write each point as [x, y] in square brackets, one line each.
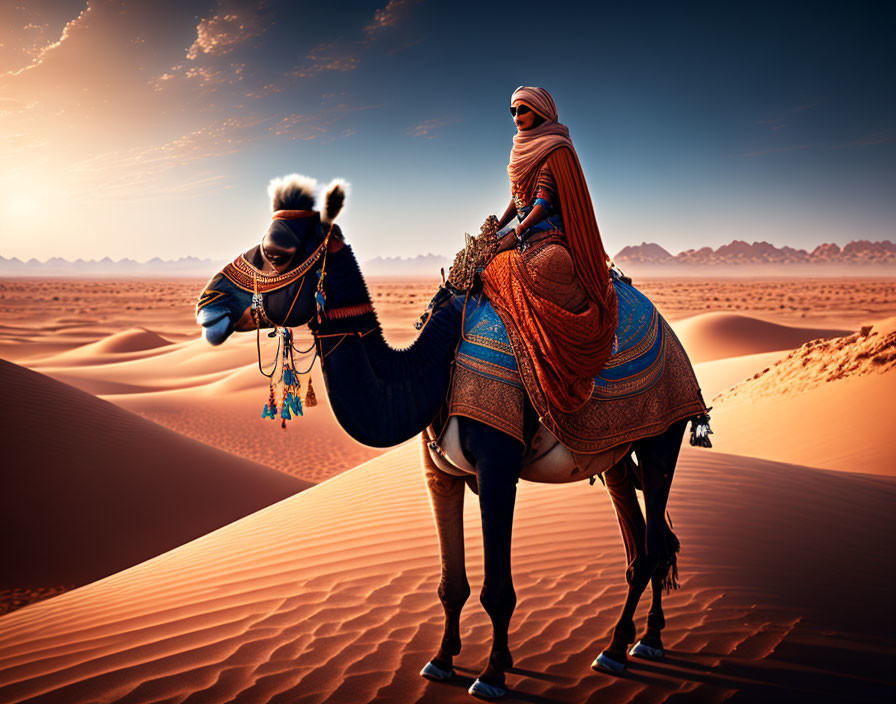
[383, 396]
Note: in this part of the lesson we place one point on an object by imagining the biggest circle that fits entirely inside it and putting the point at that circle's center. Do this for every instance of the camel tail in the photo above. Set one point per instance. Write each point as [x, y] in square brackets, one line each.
[669, 564]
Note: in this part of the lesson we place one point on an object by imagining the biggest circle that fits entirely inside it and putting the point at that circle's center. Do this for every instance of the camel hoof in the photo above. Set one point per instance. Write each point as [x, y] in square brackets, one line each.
[435, 673]
[639, 650]
[604, 662]
[484, 690]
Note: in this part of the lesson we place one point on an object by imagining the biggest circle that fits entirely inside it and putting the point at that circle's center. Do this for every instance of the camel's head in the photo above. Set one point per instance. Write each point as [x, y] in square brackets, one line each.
[281, 270]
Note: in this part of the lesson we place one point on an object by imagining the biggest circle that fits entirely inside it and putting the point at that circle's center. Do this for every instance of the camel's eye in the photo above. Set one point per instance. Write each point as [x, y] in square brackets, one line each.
[276, 257]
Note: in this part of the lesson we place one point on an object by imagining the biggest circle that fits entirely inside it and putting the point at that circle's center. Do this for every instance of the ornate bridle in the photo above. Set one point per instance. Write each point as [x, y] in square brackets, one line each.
[244, 275]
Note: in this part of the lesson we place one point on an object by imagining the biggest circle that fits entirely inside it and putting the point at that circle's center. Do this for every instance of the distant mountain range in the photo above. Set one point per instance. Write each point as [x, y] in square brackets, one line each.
[56, 266]
[423, 264]
[740, 255]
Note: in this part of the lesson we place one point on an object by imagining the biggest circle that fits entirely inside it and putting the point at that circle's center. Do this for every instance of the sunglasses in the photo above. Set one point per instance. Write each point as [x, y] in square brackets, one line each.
[521, 110]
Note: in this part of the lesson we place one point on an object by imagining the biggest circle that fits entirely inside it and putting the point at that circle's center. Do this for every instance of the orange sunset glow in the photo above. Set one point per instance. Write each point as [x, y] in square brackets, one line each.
[338, 369]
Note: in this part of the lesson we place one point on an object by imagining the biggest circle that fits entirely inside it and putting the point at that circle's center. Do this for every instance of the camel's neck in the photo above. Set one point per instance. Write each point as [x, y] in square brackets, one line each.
[348, 307]
[380, 395]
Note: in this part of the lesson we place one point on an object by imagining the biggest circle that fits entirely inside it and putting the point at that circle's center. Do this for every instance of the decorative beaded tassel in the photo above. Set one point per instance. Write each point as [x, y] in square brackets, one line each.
[270, 408]
[700, 431]
[292, 402]
[288, 384]
[310, 398]
[320, 298]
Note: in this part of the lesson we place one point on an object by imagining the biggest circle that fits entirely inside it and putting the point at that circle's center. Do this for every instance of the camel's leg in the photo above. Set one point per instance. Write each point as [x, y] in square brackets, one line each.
[650, 645]
[496, 457]
[633, 528]
[628, 510]
[657, 457]
[446, 497]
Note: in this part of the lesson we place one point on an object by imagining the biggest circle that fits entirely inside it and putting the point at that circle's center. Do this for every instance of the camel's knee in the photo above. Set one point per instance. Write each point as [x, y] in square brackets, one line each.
[655, 619]
[498, 600]
[641, 569]
[454, 594]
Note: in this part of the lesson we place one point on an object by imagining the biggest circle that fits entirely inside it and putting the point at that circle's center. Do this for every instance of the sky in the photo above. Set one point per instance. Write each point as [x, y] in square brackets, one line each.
[143, 129]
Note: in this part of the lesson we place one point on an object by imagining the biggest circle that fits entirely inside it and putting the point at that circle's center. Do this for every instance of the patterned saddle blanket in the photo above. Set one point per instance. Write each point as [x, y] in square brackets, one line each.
[647, 384]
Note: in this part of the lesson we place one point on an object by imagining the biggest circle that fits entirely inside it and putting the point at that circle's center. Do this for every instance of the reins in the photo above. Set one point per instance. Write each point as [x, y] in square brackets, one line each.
[284, 357]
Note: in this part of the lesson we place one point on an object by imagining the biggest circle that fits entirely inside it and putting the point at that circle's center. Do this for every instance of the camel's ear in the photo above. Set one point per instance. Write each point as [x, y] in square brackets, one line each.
[292, 192]
[334, 200]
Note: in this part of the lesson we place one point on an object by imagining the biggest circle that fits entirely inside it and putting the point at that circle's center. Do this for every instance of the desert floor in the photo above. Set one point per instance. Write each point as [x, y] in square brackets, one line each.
[197, 553]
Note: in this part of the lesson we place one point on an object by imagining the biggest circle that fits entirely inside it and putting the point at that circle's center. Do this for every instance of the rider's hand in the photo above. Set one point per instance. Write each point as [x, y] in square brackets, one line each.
[507, 242]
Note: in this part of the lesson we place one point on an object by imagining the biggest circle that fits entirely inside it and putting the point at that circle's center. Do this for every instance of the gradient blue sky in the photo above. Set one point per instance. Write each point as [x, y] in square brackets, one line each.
[145, 129]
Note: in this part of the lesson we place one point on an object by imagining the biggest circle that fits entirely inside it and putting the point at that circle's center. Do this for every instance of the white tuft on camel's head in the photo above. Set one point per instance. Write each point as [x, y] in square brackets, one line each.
[334, 199]
[292, 192]
[296, 192]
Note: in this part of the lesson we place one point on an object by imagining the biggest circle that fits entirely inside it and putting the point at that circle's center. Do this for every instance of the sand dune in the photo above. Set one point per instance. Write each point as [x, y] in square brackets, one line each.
[90, 489]
[215, 394]
[330, 595]
[827, 404]
[712, 336]
[227, 415]
[721, 374]
[126, 345]
[189, 364]
[133, 340]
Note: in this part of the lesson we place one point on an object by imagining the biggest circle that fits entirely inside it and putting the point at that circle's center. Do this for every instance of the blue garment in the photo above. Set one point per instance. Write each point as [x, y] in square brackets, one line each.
[552, 222]
[639, 346]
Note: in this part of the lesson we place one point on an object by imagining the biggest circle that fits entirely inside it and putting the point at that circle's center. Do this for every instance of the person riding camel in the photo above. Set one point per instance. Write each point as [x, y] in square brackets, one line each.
[550, 278]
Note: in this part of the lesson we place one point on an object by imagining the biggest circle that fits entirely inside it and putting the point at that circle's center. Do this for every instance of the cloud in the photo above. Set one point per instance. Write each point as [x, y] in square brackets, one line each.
[9, 106]
[322, 124]
[21, 142]
[776, 150]
[206, 76]
[326, 57]
[297, 126]
[264, 91]
[388, 16]
[779, 123]
[153, 169]
[774, 123]
[220, 34]
[868, 140]
[39, 52]
[428, 128]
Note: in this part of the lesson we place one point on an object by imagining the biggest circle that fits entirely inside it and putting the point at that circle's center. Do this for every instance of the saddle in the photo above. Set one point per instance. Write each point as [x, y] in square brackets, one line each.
[647, 384]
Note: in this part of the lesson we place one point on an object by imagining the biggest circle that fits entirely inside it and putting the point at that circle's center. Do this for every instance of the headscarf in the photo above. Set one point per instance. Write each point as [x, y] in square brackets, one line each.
[550, 142]
[531, 147]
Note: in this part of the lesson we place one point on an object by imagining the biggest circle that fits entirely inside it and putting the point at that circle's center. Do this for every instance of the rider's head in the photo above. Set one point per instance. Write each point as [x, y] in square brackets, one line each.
[532, 107]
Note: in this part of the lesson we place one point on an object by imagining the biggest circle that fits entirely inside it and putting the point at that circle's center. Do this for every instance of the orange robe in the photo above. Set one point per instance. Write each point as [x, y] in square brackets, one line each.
[559, 295]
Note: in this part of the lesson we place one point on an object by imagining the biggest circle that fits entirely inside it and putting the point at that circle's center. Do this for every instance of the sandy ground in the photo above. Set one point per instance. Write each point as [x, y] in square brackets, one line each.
[329, 595]
[90, 489]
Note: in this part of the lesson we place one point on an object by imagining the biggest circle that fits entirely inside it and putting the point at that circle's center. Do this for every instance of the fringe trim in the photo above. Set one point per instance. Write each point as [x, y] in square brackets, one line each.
[700, 430]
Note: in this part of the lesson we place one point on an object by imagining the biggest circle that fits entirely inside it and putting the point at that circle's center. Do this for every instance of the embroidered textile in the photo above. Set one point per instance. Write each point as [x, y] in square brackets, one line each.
[564, 334]
[646, 385]
[246, 276]
[541, 185]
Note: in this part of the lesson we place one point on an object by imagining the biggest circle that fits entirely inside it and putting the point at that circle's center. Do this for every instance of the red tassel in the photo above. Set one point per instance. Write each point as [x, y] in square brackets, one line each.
[310, 398]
